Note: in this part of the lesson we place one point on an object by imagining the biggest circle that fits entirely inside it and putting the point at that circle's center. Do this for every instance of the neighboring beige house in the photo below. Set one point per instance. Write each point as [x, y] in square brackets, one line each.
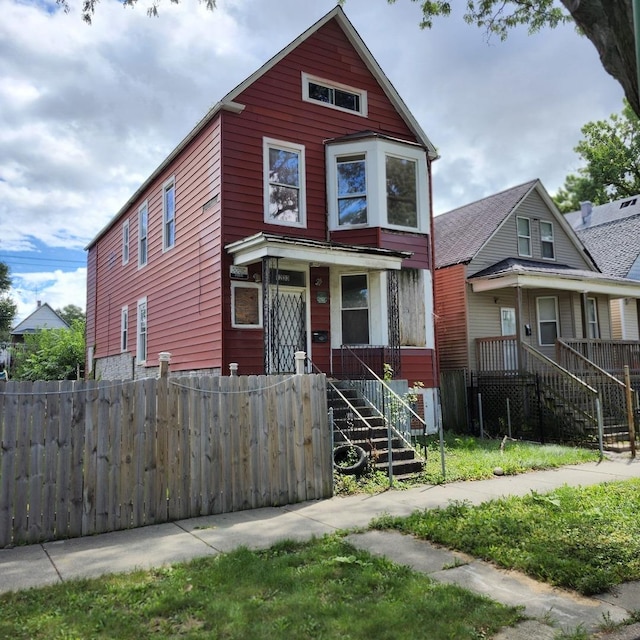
[611, 234]
[510, 271]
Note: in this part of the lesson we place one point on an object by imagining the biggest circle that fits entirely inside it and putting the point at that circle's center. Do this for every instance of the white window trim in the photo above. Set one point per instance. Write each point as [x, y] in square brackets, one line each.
[376, 150]
[595, 324]
[245, 285]
[125, 242]
[552, 242]
[268, 143]
[171, 182]
[557, 319]
[143, 207]
[124, 329]
[306, 78]
[142, 357]
[524, 255]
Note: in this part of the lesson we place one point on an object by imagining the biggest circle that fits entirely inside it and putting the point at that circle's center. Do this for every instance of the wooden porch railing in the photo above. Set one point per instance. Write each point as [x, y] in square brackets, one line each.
[579, 400]
[613, 392]
[497, 354]
[610, 355]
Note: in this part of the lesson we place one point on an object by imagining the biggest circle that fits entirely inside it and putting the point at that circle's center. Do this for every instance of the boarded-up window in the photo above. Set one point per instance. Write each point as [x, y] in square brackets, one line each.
[411, 300]
[245, 307]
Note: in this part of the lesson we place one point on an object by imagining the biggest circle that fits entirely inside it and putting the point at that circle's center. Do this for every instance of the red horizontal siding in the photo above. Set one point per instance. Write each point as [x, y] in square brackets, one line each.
[451, 317]
[182, 285]
[274, 108]
[417, 365]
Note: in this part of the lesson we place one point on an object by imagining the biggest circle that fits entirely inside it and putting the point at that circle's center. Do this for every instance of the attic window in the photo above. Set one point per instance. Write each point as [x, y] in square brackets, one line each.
[627, 203]
[334, 95]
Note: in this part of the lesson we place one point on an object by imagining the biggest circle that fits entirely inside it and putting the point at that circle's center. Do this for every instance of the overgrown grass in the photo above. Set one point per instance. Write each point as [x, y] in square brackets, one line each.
[468, 458]
[585, 538]
[319, 589]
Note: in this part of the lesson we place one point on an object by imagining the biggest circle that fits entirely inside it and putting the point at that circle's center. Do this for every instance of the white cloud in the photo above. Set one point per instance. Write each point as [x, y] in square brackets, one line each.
[57, 288]
[86, 113]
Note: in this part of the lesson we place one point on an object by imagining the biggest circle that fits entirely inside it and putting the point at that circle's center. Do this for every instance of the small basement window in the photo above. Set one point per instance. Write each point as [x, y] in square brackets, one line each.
[334, 95]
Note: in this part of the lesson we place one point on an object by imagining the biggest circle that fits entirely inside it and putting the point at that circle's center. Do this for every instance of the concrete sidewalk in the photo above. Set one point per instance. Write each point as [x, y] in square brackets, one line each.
[121, 551]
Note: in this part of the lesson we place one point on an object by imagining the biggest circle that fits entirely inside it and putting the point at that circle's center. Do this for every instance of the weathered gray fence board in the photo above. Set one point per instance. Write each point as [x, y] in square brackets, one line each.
[80, 458]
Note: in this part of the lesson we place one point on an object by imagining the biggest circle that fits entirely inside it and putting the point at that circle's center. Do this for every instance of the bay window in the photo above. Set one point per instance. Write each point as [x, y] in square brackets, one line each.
[377, 182]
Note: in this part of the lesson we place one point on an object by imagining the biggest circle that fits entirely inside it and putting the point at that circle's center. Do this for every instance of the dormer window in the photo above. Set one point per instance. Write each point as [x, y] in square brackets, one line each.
[334, 95]
[377, 182]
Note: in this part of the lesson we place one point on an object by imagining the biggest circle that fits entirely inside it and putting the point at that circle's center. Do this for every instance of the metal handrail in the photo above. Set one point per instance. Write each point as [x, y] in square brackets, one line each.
[346, 401]
[387, 387]
[397, 398]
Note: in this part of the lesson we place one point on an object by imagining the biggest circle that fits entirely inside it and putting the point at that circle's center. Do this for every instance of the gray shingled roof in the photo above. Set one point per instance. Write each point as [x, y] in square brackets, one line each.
[461, 233]
[615, 246]
[605, 213]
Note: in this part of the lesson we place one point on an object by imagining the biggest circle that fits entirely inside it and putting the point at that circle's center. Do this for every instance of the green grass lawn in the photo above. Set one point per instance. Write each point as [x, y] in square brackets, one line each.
[468, 458]
[320, 589]
[585, 538]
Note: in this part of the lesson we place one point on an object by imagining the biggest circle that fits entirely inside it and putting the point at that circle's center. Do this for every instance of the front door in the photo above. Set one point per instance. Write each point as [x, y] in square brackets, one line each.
[288, 334]
[508, 328]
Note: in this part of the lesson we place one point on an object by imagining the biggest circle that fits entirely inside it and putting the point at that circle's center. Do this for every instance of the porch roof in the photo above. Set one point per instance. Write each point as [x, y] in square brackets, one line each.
[263, 245]
[531, 274]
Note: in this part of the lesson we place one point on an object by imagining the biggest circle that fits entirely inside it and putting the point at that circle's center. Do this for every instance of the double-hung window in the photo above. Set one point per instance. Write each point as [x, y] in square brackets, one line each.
[402, 196]
[143, 232]
[355, 309]
[141, 351]
[592, 319]
[377, 182]
[547, 246]
[547, 320]
[284, 176]
[524, 237]
[124, 328]
[125, 242]
[169, 214]
[352, 189]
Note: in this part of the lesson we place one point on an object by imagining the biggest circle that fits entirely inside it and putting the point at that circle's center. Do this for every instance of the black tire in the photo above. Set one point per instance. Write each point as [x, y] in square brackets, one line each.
[343, 453]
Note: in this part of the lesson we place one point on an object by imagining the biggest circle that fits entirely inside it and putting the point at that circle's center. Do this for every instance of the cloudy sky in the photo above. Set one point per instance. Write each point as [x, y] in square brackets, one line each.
[87, 112]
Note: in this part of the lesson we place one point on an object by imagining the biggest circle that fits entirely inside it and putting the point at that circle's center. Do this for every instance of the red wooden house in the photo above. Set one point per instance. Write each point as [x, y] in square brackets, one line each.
[296, 215]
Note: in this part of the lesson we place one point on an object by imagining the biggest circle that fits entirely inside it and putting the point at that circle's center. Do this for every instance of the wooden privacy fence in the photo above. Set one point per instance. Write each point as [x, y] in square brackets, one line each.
[85, 457]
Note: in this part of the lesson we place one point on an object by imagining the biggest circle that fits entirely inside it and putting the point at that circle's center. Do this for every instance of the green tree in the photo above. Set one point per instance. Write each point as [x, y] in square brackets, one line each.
[611, 152]
[51, 354]
[71, 312]
[8, 307]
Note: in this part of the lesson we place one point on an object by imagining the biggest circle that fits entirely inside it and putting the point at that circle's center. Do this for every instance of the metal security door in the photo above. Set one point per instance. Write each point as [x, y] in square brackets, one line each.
[288, 333]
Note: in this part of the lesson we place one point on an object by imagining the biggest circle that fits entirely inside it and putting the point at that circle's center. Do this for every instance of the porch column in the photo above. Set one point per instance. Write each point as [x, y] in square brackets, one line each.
[519, 350]
[393, 319]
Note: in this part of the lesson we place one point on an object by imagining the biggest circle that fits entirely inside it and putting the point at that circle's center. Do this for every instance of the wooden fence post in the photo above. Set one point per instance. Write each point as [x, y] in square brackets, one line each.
[630, 419]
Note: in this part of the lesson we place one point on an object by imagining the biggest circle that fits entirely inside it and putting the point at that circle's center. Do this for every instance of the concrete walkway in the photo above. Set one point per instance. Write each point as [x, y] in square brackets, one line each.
[553, 610]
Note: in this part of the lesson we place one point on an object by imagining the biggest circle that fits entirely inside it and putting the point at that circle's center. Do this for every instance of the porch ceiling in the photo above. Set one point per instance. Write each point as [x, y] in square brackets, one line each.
[512, 273]
[262, 245]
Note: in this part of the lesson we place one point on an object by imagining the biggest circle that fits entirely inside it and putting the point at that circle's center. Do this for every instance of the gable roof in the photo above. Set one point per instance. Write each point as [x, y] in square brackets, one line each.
[461, 233]
[615, 246]
[227, 103]
[44, 317]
